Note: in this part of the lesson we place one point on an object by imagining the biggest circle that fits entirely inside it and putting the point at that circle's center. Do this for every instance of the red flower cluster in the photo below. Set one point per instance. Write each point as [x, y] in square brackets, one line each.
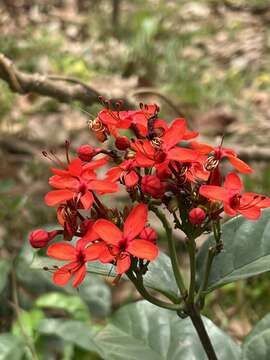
[157, 165]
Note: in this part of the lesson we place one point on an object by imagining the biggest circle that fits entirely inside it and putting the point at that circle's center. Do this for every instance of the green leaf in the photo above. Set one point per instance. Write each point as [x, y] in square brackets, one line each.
[159, 276]
[29, 321]
[257, 343]
[96, 294]
[246, 251]
[5, 266]
[11, 347]
[71, 304]
[144, 331]
[71, 331]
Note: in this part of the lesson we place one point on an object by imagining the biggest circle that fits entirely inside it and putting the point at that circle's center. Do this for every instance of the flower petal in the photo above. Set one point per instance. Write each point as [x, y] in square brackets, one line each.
[252, 213]
[240, 165]
[131, 178]
[182, 154]
[114, 174]
[62, 251]
[123, 264]
[213, 192]
[201, 148]
[233, 182]
[62, 276]
[143, 249]
[103, 186]
[79, 276]
[93, 164]
[64, 182]
[108, 232]
[229, 210]
[107, 255]
[87, 200]
[93, 252]
[135, 221]
[174, 134]
[75, 167]
[56, 197]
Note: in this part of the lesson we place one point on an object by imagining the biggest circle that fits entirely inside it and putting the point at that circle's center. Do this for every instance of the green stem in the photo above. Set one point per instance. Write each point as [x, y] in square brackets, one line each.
[145, 294]
[192, 251]
[202, 333]
[209, 260]
[172, 251]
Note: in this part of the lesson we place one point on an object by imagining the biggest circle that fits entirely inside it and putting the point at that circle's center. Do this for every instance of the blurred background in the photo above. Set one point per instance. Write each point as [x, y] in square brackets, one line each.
[207, 60]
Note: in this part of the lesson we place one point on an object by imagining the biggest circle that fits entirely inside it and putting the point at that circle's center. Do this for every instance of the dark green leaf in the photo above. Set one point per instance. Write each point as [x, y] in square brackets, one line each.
[11, 347]
[246, 251]
[144, 331]
[256, 346]
[71, 331]
[71, 304]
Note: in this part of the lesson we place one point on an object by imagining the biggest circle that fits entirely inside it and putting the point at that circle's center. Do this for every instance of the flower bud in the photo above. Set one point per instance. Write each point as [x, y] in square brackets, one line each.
[148, 234]
[86, 152]
[122, 143]
[196, 216]
[151, 185]
[39, 238]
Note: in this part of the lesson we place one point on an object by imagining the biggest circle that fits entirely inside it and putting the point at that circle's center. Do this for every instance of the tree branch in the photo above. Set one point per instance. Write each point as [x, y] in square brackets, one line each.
[60, 88]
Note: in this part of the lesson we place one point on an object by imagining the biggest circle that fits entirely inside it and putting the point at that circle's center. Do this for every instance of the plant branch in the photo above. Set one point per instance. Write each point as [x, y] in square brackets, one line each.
[61, 88]
[172, 250]
[191, 251]
[201, 331]
[138, 282]
[212, 251]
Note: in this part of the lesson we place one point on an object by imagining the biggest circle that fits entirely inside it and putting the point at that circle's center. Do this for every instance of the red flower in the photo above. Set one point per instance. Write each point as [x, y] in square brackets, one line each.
[77, 183]
[120, 246]
[125, 172]
[219, 152]
[248, 204]
[150, 153]
[152, 185]
[148, 234]
[76, 255]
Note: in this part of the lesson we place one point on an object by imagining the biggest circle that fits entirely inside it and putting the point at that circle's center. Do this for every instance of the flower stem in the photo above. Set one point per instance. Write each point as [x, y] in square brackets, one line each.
[201, 331]
[172, 250]
[191, 250]
[209, 260]
[146, 295]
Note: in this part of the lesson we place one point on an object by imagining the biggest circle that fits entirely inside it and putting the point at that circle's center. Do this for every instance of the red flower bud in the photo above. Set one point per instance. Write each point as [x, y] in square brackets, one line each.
[151, 185]
[86, 152]
[122, 142]
[196, 216]
[39, 238]
[148, 234]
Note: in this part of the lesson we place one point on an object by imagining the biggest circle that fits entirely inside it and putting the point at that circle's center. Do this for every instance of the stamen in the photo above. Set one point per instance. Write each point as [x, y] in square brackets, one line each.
[67, 146]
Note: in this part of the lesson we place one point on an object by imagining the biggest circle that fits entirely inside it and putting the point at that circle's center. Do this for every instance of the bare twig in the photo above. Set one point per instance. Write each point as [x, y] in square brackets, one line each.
[151, 91]
[23, 83]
